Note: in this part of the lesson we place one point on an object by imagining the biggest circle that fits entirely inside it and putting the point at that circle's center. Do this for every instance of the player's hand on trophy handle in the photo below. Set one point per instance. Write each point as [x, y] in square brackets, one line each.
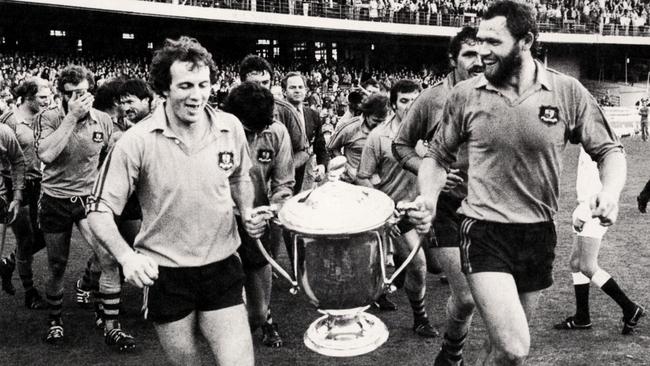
[422, 217]
[139, 270]
[604, 206]
[255, 221]
[453, 179]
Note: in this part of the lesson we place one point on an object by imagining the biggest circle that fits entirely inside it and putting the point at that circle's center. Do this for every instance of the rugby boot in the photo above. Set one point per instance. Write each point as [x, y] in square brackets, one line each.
[382, 303]
[424, 329]
[54, 333]
[631, 320]
[571, 323]
[271, 336]
[83, 296]
[119, 339]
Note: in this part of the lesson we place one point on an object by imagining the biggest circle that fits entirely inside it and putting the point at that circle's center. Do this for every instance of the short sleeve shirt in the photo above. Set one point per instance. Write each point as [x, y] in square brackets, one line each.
[73, 172]
[185, 194]
[272, 164]
[25, 135]
[515, 147]
[351, 137]
[377, 158]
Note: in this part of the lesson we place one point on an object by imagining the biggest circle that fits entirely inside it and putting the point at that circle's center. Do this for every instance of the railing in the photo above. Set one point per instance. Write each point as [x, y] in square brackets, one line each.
[404, 15]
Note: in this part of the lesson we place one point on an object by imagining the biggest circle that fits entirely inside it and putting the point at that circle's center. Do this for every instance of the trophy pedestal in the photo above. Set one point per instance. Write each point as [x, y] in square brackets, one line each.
[345, 333]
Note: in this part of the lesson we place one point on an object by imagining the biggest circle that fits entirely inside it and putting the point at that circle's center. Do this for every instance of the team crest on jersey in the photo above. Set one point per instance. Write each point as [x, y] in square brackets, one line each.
[98, 136]
[226, 160]
[548, 114]
[264, 156]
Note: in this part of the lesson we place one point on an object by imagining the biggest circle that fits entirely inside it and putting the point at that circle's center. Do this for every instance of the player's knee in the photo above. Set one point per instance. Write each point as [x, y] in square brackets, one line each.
[465, 305]
[589, 268]
[513, 353]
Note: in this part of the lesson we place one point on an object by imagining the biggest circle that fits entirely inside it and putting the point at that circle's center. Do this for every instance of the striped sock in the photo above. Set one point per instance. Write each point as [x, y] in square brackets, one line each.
[453, 347]
[55, 303]
[111, 307]
[416, 299]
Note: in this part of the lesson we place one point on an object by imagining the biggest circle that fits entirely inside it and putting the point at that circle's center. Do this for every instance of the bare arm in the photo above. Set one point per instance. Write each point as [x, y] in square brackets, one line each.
[138, 269]
[613, 171]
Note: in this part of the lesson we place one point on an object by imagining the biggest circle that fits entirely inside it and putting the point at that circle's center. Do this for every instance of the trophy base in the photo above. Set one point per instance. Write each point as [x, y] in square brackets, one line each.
[346, 333]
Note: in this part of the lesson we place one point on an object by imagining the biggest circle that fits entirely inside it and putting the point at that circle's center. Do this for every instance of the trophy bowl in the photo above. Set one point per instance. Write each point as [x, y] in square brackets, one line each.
[338, 258]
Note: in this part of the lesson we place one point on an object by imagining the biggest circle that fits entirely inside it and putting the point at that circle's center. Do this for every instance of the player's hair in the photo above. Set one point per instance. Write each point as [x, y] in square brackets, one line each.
[466, 35]
[370, 81]
[184, 49]
[375, 105]
[253, 63]
[74, 74]
[520, 19]
[28, 88]
[290, 74]
[136, 87]
[252, 104]
[403, 86]
[107, 95]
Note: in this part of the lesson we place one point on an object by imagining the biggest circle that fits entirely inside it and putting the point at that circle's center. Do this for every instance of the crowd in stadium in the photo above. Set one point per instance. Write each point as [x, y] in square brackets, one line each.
[329, 84]
[615, 17]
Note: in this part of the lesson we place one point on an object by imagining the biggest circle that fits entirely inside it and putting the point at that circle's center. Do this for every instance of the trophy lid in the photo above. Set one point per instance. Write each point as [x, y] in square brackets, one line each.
[336, 208]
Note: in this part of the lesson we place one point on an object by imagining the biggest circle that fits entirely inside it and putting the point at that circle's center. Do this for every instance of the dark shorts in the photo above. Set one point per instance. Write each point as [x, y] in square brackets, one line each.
[446, 225]
[251, 257]
[179, 291]
[526, 251]
[132, 210]
[58, 215]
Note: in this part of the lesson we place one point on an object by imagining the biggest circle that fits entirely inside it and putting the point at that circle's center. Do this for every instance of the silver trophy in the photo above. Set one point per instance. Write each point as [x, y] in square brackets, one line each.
[338, 256]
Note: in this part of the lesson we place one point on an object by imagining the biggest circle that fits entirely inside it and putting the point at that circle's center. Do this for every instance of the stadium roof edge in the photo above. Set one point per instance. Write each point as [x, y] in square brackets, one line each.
[145, 8]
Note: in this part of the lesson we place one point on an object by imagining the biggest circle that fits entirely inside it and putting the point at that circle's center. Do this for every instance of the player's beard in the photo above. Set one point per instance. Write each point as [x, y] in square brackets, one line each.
[505, 67]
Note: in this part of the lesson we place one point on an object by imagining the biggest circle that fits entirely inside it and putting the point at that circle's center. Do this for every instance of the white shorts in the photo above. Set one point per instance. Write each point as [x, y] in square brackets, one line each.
[592, 227]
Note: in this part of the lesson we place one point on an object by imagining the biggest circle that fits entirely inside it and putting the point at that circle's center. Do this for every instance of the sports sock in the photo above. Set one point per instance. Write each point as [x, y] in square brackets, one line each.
[416, 299]
[111, 310]
[55, 303]
[606, 283]
[90, 278]
[581, 287]
[25, 273]
[453, 347]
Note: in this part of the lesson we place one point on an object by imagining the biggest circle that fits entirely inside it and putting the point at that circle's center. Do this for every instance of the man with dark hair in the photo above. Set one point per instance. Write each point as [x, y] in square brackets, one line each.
[257, 69]
[379, 169]
[137, 100]
[270, 147]
[351, 135]
[294, 86]
[68, 141]
[189, 163]
[516, 120]
[35, 96]
[419, 125]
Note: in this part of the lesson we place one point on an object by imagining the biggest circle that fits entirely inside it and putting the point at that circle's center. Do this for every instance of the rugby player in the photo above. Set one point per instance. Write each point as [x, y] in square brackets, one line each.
[516, 120]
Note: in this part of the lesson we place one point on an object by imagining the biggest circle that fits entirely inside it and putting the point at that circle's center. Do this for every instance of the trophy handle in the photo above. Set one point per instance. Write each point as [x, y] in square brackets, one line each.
[278, 267]
[389, 281]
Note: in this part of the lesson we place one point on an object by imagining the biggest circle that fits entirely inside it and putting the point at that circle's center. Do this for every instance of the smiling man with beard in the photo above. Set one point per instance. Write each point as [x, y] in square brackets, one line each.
[516, 120]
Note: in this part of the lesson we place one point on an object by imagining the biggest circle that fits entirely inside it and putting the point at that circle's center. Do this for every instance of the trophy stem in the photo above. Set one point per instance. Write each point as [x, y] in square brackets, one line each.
[345, 333]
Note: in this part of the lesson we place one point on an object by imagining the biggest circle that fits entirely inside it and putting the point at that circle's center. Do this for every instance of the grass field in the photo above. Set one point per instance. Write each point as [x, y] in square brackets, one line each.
[625, 255]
